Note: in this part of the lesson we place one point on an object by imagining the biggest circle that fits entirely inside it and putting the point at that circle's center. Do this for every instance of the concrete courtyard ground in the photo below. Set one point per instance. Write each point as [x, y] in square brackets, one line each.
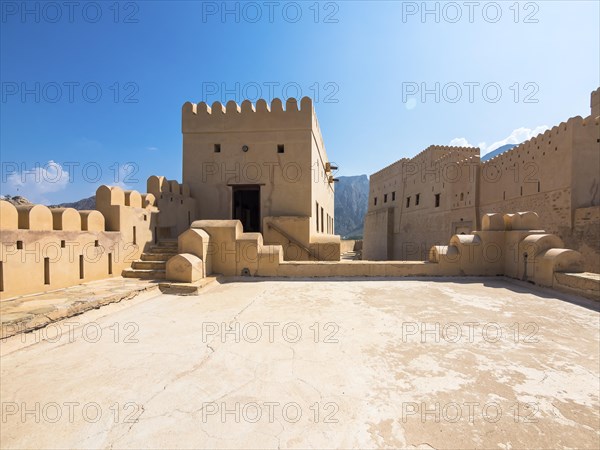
[395, 363]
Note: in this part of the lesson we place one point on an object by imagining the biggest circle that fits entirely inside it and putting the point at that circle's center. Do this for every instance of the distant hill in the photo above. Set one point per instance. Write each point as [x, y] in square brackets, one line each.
[83, 204]
[16, 200]
[351, 202]
[496, 152]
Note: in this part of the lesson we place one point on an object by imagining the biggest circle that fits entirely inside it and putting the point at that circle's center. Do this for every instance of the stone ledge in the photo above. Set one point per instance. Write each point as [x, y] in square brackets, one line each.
[586, 284]
[176, 288]
[30, 312]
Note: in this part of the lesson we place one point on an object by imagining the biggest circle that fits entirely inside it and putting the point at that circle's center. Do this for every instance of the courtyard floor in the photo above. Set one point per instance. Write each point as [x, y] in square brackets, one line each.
[395, 363]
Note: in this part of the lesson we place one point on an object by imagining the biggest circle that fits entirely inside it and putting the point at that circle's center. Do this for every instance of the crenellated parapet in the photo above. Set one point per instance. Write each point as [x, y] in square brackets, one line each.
[35, 217]
[177, 208]
[51, 248]
[454, 157]
[436, 152]
[595, 103]
[9, 217]
[432, 155]
[66, 219]
[92, 220]
[546, 143]
[42, 218]
[200, 117]
[389, 170]
[115, 196]
[123, 210]
[159, 186]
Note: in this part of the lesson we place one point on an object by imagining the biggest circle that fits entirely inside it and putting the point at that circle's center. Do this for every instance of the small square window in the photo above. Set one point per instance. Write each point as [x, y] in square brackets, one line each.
[96, 243]
[280, 148]
[217, 148]
[19, 245]
[63, 244]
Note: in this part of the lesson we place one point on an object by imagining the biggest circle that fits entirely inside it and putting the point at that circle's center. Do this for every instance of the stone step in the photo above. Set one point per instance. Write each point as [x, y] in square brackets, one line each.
[167, 244]
[156, 256]
[149, 265]
[144, 274]
[156, 249]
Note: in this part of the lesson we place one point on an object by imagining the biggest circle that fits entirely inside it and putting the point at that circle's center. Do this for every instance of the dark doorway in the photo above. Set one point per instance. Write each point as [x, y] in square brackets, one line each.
[246, 206]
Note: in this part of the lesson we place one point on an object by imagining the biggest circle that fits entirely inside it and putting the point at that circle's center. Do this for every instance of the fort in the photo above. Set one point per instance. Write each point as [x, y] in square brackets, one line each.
[416, 203]
[353, 346]
[256, 199]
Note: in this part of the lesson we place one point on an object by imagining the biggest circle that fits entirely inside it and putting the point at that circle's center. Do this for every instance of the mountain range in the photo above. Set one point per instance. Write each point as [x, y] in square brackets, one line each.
[496, 152]
[351, 202]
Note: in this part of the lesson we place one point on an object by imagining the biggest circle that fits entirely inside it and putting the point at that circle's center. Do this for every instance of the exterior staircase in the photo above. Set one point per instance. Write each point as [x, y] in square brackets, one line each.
[152, 263]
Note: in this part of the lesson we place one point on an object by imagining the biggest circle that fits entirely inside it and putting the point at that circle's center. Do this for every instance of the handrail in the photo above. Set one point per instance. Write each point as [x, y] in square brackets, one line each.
[292, 239]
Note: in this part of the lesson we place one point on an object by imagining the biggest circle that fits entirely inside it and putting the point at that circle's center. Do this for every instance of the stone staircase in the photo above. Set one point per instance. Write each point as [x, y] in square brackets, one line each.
[152, 263]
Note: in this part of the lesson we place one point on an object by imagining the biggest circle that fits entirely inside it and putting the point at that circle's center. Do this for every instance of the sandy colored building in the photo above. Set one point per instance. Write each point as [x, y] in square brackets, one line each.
[257, 200]
[420, 202]
[266, 167]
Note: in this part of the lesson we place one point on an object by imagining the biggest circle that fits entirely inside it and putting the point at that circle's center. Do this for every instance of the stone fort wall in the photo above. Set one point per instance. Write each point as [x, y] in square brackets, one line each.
[554, 174]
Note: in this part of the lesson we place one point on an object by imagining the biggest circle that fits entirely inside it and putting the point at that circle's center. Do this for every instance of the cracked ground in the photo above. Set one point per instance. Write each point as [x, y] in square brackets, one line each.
[466, 363]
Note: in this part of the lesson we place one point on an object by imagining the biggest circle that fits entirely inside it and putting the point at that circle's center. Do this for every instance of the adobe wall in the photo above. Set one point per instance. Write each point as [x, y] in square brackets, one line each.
[177, 209]
[511, 245]
[553, 174]
[285, 178]
[44, 249]
[280, 150]
[378, 230]
[402, 227]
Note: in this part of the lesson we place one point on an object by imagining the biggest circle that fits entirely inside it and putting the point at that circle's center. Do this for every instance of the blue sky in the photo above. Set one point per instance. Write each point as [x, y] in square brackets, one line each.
[124, 72]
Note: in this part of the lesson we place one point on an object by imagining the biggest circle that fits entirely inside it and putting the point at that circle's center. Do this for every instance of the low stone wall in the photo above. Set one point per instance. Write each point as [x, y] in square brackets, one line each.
[44, 249]
[509, 245]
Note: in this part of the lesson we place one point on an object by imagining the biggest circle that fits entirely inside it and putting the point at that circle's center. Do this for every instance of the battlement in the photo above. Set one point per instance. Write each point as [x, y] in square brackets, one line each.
[115, 196]
[387, 170]
[435, 152]
[42, 218]
[595, 103]
[158, 186]
[454, 157]
[200, 117]
[543, 141]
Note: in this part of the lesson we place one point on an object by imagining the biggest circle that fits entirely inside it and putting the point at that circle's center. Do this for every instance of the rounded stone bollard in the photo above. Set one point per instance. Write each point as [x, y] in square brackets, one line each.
[185, 268]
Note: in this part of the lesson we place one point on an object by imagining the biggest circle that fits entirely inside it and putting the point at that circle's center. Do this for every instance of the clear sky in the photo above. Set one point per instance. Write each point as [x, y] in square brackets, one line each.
[94, 86]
